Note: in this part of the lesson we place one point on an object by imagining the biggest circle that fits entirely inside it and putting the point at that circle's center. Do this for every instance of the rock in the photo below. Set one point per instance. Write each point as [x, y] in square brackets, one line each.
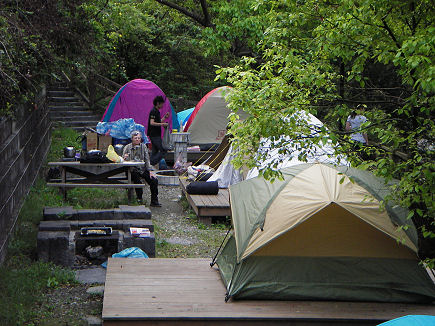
[94, 252]
[96, 290]
[93, 321]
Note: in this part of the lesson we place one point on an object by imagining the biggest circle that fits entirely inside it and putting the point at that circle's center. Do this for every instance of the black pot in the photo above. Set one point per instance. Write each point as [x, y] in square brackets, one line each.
[69, 152]
[119, 148]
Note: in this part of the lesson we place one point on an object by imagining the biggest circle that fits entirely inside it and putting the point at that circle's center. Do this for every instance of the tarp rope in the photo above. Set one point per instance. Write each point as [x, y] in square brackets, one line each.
[185, 173]
[212, 161]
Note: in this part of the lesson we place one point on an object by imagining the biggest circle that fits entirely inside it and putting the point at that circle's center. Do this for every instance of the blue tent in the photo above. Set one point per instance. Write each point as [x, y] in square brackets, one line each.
[411, 320]
[183, 116]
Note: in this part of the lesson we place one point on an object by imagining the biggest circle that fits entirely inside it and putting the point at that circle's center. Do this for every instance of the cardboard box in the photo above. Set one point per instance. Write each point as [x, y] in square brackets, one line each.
[104, 142]
[91, 141]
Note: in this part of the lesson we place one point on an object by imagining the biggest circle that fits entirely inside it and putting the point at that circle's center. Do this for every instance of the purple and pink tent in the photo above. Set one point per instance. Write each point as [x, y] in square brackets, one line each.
[135, 100]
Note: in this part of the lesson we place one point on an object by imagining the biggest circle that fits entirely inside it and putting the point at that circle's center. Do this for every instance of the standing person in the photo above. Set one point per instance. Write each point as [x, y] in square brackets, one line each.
[154, 131]
[138, 152]
[354, 122]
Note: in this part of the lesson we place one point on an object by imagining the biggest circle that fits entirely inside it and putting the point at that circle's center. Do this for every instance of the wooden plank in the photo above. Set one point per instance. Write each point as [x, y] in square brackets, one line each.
[208, 205]
[207, 201]
[172, 291]
[77, 164]
[210, 211]
[96, 185]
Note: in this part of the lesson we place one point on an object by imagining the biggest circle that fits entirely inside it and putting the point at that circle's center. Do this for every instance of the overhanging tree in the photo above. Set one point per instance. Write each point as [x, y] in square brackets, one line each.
[325, 57]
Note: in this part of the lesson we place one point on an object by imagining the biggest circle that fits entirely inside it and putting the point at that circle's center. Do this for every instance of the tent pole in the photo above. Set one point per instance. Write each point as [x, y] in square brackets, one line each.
[215, 256]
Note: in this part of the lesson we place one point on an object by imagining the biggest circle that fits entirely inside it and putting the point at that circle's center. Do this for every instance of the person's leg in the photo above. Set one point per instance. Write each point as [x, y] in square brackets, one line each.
[157, 151]
[153, 183]
[135, 177]
[154, 150]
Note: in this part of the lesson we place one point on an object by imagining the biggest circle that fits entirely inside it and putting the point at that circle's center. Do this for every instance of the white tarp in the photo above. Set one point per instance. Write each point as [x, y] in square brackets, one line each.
[227, 175]
[317, 154]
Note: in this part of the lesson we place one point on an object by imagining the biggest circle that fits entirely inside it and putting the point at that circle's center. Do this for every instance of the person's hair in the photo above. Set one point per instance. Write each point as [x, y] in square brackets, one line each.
[135, 133]
[158, 99]
[358, 107]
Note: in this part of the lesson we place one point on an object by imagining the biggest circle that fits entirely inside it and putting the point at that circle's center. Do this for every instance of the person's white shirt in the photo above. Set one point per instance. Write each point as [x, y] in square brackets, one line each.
[355, 124]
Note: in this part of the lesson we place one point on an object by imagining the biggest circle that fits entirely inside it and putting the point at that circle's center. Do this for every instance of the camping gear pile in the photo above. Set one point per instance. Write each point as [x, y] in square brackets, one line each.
[121, 129]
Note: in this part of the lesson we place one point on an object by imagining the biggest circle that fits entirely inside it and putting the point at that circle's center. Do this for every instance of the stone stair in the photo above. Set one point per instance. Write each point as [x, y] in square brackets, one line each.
[67, 109]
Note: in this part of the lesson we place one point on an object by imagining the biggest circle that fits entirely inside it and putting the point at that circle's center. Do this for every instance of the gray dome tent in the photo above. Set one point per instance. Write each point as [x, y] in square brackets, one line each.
[320, 234]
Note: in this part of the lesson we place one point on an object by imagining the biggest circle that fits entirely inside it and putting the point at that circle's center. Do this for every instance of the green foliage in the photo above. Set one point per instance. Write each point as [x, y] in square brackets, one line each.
[37, 39]
[325, 58]
[147, 40]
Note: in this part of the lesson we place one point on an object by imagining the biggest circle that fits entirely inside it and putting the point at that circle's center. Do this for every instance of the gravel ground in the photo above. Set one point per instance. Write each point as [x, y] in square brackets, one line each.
[178, 234]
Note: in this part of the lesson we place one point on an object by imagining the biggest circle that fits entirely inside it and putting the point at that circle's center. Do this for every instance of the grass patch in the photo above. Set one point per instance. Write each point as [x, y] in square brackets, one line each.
[22, 286]
[24, 281]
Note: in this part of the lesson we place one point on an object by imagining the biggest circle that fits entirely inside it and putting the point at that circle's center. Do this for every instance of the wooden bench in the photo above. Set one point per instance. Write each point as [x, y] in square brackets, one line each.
[95, 175]
[207, 207]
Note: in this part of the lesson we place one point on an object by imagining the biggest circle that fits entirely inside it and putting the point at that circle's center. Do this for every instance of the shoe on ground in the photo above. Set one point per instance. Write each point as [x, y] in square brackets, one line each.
[139, 201]
[155, 204]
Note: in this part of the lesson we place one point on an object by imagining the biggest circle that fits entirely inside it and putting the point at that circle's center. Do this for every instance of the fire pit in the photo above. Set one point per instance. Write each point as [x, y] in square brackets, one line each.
[81, 240]
[167, 178]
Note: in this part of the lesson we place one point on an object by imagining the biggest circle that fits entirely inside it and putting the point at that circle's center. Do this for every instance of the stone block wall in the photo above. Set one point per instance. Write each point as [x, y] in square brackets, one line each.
[24, 143]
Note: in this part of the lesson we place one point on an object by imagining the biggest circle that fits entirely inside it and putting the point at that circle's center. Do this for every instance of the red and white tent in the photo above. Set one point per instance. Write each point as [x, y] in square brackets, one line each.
[208, 122]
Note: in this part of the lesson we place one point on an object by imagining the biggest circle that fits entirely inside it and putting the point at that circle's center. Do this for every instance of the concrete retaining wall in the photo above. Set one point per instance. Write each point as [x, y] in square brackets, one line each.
[24, 143]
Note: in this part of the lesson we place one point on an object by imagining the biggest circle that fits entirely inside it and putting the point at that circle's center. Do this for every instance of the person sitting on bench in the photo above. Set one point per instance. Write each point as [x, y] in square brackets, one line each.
[138, 152]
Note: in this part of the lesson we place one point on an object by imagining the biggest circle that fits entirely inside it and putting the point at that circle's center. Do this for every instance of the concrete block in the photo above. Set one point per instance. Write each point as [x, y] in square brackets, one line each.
[95, 214]
[60, 251]
[135, 212]
[137, 223]
[43, 246]
[148, 245]
[59, 213]
[55, 247]
[54, 226]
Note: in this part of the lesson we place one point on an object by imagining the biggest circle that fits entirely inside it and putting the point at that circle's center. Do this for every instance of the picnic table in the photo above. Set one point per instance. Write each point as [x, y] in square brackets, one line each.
[95, 175]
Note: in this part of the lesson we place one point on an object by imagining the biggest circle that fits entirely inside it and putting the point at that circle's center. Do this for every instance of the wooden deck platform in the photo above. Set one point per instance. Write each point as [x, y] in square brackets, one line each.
[207, 207]
[188, 292]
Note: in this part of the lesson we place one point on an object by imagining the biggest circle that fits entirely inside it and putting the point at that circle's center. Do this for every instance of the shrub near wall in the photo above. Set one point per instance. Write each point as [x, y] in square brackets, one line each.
[24, 143]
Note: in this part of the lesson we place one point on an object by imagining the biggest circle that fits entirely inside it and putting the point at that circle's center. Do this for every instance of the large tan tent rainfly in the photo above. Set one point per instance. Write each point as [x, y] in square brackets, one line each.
[320, 234]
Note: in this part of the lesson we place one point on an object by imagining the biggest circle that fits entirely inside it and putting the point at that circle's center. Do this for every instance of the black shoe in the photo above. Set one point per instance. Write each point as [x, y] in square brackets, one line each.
[155, 204]
[140, 201]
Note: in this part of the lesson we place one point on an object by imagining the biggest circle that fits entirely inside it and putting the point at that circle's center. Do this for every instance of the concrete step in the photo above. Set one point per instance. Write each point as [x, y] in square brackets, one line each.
[72, 114]
[60, 93]
[67, 108]
[63, 99]
[59, 87]
[82, 129]
[76, 118]
[91, 123]
[66, 113]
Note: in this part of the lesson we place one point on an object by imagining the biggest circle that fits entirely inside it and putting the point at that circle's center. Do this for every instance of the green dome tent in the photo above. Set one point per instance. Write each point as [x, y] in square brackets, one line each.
[319, 234]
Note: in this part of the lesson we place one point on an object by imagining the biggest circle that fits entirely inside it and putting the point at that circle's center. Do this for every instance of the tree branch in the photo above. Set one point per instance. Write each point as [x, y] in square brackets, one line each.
[204, 21]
